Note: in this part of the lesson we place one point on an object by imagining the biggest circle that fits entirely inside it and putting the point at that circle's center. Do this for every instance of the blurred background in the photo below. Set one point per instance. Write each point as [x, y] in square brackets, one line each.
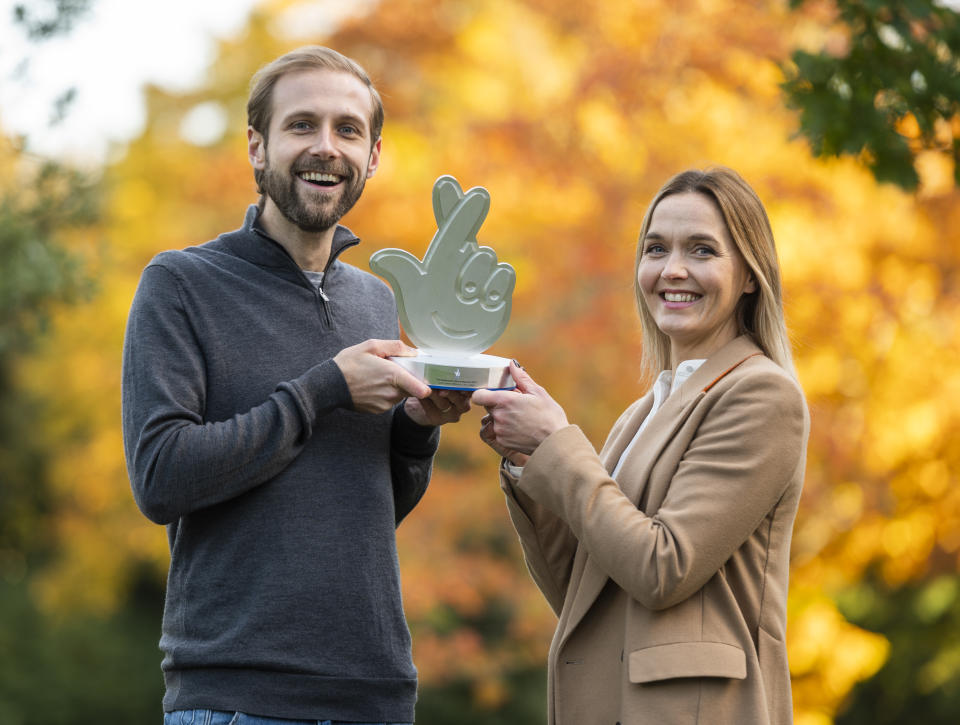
[122, 131]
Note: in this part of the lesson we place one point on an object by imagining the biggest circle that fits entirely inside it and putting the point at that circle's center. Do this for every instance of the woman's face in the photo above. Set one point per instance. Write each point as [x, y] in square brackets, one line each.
[692, 276]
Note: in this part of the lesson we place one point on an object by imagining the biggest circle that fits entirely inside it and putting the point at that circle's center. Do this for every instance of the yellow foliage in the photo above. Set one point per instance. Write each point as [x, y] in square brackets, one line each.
[828, 656]
[820, 372]
[605, 132]
[572, 115]
[512, 42]
[936, 170]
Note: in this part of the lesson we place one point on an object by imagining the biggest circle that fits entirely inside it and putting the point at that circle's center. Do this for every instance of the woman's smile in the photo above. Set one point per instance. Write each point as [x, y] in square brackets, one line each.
[676, 299]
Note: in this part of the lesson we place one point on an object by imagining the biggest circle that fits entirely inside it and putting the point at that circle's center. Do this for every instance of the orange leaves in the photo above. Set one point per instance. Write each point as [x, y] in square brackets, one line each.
[572, 115]
[472, 608]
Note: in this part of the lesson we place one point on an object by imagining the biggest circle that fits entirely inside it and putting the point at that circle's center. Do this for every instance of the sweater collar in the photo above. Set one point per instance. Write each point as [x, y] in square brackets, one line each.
[256, 246]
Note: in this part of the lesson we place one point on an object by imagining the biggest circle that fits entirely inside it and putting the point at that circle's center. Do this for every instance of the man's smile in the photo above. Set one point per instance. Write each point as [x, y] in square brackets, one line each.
[320, 178]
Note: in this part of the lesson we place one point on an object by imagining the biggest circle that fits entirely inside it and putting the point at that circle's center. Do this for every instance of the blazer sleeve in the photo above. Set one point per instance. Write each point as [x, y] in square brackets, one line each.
[548, 543]
[746, 451]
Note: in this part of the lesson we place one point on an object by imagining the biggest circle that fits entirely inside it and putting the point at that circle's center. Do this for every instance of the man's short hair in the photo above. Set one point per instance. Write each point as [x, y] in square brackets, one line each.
[308, 57]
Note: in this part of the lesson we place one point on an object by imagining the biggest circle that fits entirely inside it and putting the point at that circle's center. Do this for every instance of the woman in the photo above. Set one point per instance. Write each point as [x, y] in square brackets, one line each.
[666, 556]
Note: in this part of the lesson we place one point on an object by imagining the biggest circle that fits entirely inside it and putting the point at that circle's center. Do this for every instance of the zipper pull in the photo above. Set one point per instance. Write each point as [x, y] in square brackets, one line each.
[323, 295]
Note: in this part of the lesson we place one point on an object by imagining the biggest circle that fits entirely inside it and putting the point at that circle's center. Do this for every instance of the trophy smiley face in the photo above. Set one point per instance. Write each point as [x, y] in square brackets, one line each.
[457, 299]
[478, 310]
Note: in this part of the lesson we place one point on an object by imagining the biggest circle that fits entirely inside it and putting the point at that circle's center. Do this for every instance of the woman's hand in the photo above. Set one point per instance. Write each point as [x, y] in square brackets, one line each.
[488, 437]
[517, 421]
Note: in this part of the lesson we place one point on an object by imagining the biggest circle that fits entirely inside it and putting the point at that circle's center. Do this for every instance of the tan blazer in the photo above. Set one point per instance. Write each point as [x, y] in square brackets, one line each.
[671, 582]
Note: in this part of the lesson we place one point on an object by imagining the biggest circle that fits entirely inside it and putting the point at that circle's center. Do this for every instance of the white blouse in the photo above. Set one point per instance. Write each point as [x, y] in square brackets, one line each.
[664, 386]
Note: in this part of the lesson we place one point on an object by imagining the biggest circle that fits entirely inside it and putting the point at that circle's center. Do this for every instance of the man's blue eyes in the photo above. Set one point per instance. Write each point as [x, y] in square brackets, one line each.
[306, 126]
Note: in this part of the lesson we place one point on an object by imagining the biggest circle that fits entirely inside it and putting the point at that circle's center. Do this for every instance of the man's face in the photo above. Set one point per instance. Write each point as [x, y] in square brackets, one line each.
[319, 153]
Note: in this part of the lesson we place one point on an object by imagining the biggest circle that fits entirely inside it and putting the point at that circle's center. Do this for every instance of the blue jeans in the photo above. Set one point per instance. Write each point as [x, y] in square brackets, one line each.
[217, 717]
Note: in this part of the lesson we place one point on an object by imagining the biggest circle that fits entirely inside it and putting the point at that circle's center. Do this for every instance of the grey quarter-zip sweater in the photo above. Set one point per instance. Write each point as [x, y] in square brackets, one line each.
[280, 501]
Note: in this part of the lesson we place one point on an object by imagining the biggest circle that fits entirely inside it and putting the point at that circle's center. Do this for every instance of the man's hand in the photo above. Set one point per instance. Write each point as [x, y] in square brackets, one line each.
[443, 406]
[377, 384]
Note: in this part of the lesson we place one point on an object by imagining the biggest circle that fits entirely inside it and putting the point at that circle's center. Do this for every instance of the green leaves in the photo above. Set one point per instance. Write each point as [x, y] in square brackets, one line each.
[58, 19]
[36, 270]
[892, 95]
[40, 203]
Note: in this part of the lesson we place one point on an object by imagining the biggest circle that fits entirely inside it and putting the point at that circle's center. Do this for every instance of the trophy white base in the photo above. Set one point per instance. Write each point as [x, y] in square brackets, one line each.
[457, 371]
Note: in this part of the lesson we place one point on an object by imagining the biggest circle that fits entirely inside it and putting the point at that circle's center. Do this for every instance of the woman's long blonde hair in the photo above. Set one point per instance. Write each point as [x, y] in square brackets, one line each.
[759, 313]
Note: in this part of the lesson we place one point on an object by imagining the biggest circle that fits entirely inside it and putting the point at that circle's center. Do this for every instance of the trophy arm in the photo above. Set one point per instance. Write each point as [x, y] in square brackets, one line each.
[402, 270]
[406, 276]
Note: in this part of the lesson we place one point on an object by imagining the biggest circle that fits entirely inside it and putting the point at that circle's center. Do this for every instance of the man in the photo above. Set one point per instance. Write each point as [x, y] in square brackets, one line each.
[265, 427]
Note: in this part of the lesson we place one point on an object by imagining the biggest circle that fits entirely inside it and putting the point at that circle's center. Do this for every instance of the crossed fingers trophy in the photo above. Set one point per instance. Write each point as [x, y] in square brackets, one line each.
[456, 302]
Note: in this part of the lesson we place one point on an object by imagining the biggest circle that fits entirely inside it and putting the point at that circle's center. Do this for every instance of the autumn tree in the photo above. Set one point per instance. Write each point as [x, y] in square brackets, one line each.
[41, 201]
[57, 668]
[572, 115]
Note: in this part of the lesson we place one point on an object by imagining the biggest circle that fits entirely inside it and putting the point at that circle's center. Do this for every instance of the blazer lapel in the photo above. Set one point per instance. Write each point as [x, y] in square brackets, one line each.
[588, 576]
[632, 479]
[620, 438]
[634, 475]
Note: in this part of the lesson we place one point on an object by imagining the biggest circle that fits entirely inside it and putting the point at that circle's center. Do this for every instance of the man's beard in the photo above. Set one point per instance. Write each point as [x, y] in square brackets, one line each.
[311, 216]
